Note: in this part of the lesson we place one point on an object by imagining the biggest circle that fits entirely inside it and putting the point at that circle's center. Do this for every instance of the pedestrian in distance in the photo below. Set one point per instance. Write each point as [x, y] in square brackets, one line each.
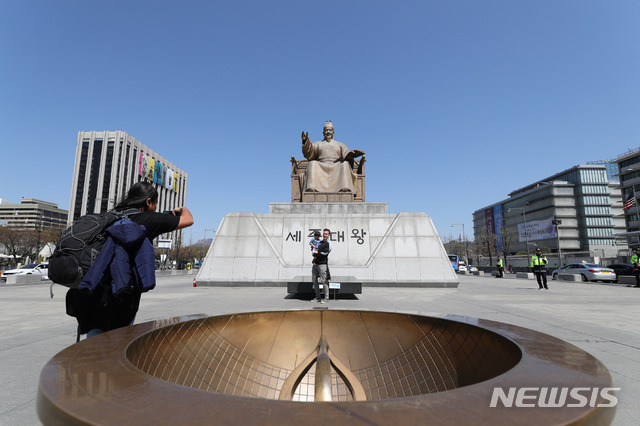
[539, 265]
[500, 268]
[320, 270]
[104, 301]
[635, 261]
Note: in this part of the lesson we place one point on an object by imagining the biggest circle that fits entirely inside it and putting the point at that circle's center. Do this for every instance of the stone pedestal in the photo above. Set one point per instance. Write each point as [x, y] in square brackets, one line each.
[375, 247]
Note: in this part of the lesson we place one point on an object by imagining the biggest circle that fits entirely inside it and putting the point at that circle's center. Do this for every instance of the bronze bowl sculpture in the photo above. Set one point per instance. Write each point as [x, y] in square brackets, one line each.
[318, 367]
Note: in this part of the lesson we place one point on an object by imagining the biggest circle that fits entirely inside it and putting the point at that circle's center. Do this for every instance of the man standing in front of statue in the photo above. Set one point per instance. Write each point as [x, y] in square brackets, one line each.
[320, 270]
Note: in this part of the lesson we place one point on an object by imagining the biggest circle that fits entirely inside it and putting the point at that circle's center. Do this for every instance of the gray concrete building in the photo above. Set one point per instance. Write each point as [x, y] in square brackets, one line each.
[629, 174]
[108, 163]
[32, 214]
[576, 210]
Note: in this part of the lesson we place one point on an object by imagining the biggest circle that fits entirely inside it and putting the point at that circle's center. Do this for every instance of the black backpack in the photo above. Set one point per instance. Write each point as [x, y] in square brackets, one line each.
[79, 246]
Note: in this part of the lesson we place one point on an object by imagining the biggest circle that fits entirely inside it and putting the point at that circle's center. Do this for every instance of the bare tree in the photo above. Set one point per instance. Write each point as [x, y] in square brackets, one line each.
[454, 246]
[19, 243]
[480, 247]
[507, 240]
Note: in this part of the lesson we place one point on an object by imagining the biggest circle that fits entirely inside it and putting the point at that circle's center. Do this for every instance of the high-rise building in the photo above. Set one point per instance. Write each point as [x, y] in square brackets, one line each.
[108, 163]
[576, 210]
[32, 214]
[629, 172]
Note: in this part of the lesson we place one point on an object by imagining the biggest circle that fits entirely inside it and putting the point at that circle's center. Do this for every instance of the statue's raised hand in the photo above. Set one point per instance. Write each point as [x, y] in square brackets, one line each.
[305, 137]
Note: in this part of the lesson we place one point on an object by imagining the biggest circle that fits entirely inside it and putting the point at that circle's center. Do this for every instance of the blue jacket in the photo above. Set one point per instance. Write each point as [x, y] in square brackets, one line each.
[127, 255]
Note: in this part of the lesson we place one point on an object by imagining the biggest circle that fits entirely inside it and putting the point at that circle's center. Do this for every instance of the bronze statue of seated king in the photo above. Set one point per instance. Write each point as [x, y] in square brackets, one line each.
[330, 172]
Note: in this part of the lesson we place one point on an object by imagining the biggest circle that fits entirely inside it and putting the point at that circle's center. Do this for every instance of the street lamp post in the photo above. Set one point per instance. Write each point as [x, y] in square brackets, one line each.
[526, 235]
[557, 223]
[464, 239]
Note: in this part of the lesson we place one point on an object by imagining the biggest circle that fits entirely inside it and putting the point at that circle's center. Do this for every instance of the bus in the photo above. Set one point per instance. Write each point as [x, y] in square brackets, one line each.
[455, 261]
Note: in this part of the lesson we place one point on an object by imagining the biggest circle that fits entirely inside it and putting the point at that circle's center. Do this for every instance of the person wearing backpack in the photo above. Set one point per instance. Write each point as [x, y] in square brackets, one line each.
[99, 304]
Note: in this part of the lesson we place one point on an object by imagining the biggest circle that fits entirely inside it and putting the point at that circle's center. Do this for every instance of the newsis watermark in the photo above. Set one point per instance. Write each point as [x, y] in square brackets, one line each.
[552, 397]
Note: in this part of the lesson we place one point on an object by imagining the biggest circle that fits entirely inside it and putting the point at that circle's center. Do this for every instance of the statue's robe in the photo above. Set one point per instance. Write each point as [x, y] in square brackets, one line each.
[327, 171]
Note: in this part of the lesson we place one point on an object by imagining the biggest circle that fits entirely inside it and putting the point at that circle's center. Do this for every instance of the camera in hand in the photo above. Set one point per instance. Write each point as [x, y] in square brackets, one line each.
[171, 212]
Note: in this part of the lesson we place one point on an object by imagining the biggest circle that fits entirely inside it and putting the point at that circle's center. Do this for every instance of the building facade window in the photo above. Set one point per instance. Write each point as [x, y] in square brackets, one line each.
[94, 175]
[599, 221]
[104, 205]
[630, 161]
[601, 241]
[628, 176]
[595, 189]
[596, 200]
[82, 171]
[599, 232]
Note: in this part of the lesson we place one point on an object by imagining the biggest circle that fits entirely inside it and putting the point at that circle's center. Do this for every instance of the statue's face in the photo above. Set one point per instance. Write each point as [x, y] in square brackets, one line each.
[328, 133]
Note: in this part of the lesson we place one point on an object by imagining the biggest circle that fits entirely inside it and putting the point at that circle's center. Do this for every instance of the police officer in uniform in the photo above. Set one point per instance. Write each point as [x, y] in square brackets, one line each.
[635, 261]
[539, 265]
[500, 268]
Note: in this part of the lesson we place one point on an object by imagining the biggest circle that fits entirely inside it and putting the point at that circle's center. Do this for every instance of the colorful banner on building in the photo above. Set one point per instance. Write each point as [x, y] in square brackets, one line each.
[158, 174]
[140, 166]
[144, 165]
[537, 230]
[175, 182]
[488, 221]
[169, 179]
[151, 169]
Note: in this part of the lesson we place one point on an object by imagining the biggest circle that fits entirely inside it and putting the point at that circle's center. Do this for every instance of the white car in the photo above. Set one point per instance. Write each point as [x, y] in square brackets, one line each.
[30, 269]
[462, 267]
[587, 271]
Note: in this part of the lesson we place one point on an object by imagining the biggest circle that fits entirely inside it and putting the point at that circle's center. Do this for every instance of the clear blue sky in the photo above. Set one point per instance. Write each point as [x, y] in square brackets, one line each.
[456, 103]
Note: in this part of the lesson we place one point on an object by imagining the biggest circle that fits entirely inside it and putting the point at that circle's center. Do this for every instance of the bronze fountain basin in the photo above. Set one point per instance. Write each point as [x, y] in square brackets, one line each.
[314, 366]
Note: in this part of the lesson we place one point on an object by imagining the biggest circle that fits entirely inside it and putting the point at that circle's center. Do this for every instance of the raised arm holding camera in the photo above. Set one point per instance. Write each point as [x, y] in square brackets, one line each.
[109, 295]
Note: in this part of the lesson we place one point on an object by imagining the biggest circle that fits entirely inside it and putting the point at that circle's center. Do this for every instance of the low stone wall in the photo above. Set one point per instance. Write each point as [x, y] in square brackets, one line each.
[624, 279]
[480, 273]
[24, 279]
[525, 275]
[569, 277]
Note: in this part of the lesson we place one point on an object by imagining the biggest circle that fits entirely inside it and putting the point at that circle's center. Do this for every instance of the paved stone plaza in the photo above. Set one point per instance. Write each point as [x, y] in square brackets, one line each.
[601, 319]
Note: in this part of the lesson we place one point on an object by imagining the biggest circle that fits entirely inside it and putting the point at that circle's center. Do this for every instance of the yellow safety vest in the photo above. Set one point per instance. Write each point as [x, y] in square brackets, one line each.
[538, 260]
[499, 263]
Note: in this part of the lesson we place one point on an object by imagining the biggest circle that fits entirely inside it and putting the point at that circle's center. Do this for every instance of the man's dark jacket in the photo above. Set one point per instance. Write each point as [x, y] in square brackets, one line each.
[322, 257]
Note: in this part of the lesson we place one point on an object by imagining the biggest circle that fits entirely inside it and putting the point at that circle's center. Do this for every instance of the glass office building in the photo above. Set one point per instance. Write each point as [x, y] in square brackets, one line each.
[576, 210]
[108, 163]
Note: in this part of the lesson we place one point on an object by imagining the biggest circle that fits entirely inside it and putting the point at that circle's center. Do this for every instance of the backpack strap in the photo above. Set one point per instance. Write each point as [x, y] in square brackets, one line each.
[126, 213]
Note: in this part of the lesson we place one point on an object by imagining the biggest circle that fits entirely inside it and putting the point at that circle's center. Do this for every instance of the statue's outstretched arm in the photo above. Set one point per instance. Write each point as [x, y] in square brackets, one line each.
[354, 153]
[307, 147]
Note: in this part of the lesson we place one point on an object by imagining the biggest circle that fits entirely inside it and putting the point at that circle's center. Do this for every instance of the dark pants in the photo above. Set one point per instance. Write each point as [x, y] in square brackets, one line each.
[637, 273]
[500, 272]
[541, 277]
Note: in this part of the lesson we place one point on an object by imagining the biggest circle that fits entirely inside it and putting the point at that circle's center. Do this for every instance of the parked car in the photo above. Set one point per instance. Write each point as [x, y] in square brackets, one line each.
[30, 269]
[588, 272]
[462, 267]
[623, 269]
[472, 269]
